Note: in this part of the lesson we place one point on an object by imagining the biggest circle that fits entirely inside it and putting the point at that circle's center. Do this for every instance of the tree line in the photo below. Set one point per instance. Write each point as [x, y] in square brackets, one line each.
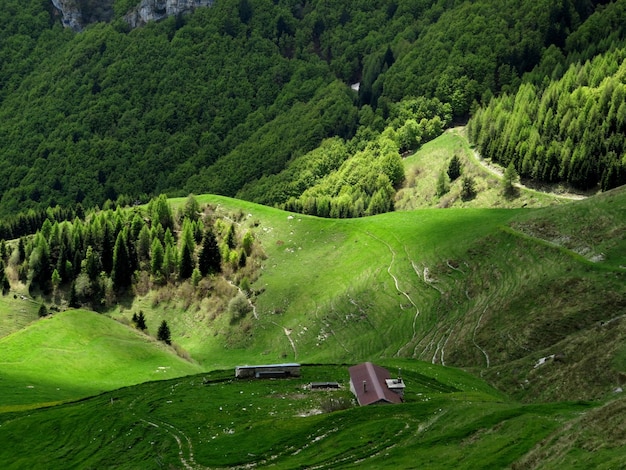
[106, 255]
[572, 130]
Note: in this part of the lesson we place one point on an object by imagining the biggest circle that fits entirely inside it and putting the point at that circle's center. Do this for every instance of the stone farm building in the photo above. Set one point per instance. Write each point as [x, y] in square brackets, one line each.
[373, 384]
[268, 371]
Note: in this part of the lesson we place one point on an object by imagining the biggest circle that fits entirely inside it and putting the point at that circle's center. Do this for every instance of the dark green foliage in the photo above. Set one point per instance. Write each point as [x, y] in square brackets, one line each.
[163, 334]
[4, 281]
[468, 188]
[73, 296]
[230, 236]
[186, 262]
[210, 259]
[122, 268]
[140, 320]
[43, 311]
[454, 168]
[218, 99]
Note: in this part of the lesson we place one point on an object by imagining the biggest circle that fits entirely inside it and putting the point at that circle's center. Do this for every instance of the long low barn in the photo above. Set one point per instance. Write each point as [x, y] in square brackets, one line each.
[268, 371]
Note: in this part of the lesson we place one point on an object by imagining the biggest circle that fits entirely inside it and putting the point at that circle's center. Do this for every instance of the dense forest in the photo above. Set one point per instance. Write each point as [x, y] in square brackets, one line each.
[571, 128]
[90, 261]
[253, 99]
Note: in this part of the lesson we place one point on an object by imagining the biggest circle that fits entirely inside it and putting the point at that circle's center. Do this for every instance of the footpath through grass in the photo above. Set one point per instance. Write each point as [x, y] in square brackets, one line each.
[213, 420]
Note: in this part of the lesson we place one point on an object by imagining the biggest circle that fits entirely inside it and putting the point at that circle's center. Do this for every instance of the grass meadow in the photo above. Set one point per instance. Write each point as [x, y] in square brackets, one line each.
[215, 421]
[529, 300]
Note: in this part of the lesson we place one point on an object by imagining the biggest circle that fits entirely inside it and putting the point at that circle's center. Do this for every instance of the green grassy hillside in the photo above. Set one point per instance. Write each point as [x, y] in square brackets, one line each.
[531, 299]
[522, 295]
[78, 353]
[213, 420]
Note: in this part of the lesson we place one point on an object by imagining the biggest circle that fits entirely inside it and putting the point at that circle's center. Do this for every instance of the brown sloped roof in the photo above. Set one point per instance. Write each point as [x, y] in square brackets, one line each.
[375, 390]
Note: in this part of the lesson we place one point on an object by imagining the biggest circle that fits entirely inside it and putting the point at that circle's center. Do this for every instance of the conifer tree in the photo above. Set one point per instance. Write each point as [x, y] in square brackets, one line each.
[230, 237]
[121, 273]
[140, 321]
[170, 261]
[73, 300]
[186, 262]
[454, 168]
[210, 259]
[186, 250]
[163, 334]
[509, 179]
[192, 208]
[143, 244]
[442, 184]
[156, 266]
[106, 253]
[4, 281]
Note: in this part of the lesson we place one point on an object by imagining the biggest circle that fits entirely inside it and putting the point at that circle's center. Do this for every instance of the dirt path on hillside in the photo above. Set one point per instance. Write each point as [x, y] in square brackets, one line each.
[498, 171]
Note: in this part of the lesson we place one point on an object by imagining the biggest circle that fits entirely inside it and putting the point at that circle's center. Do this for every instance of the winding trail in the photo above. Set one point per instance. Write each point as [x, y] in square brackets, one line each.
[287, 332]
[397, 285]
[474, 337]
[189, 462]
[499, 172]
[250, 303]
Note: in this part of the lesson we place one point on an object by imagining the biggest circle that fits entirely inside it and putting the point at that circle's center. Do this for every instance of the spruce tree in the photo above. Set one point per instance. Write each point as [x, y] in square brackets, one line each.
[210, 259]
[230, 237]
[141, 321]
[164, 333]
[122, 272]
[186, 262]
[73, 300]
[454, 168]
[468, 188]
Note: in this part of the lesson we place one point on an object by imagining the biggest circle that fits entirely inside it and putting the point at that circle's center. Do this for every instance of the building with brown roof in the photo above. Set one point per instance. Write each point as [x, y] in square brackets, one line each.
[373, 384]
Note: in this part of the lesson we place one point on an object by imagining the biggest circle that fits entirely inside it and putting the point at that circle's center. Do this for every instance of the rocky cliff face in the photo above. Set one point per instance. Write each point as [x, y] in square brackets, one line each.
[77, 14]
[154, 10]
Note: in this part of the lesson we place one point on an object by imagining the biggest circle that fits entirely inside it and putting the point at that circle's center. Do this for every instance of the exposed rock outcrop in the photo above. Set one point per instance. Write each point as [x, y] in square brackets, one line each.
[154, 10]
[77, 14]
[71, 16]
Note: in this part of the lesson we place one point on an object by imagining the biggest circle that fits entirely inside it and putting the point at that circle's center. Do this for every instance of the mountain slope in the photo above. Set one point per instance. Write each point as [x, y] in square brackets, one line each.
[493, 290]
[177, 105]
[212, 420]
[79, 353]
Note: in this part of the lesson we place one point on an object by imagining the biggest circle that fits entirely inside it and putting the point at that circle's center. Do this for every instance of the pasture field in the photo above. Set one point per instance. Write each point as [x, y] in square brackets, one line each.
[78, 353]
[530, 301]
[212, 420]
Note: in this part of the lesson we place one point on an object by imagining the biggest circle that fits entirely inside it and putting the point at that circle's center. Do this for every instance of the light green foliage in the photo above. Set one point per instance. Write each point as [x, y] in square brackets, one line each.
[509, 179]
[443, 184]
[196, 276]
[247, 242]
[559, 133]
[238, 307]
[157, 257]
